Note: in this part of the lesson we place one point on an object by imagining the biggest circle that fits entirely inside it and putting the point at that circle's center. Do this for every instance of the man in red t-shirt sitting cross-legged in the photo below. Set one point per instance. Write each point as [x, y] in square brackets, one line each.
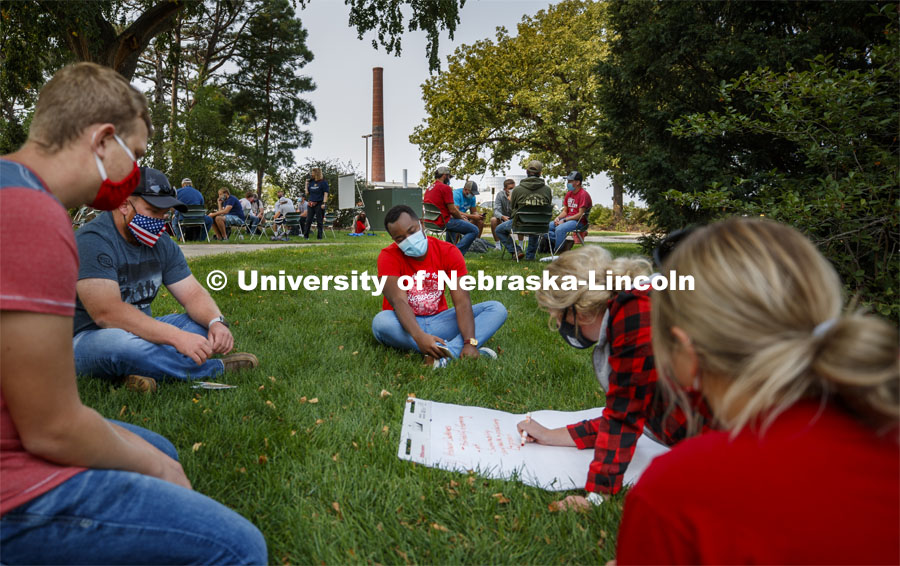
[418, 318]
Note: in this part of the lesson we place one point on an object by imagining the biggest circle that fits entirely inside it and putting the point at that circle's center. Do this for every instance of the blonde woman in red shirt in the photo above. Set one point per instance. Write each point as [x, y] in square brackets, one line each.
[807, 466]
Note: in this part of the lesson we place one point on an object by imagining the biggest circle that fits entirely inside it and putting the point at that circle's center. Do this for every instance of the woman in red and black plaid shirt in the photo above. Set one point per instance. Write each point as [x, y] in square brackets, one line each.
[617, 325]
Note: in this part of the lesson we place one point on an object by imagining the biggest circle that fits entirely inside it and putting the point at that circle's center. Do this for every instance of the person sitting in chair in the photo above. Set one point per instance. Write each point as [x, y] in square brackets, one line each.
[532, 191]
[575, 215]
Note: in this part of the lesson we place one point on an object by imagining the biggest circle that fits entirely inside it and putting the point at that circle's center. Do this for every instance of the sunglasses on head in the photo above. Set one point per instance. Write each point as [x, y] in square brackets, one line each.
[668, 244]
[157, 190]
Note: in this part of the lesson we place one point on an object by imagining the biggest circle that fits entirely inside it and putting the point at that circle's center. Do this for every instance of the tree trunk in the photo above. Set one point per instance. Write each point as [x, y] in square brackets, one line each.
[120, 51]
[176, 68]
[617, 195]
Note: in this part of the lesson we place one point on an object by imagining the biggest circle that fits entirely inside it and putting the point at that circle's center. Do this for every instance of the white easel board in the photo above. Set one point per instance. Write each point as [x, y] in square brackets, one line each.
[486, 441]
[347, 192]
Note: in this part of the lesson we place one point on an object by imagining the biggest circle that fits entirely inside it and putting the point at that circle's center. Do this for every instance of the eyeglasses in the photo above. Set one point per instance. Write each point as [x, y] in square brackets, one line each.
[668, 244]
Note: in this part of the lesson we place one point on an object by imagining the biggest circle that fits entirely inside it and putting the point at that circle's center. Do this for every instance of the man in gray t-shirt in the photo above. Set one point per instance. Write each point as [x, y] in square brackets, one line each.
[125, 257]
[502, 209]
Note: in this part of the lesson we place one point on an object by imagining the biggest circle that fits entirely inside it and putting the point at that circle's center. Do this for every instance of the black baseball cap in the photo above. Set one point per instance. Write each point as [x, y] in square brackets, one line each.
[154, 188]
[575, 176]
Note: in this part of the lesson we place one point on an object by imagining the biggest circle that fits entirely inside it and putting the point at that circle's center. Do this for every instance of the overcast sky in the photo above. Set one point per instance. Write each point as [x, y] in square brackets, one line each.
[342, 71]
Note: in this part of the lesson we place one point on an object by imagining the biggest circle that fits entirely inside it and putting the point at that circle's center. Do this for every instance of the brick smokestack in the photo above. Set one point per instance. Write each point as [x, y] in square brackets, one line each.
[377, 124]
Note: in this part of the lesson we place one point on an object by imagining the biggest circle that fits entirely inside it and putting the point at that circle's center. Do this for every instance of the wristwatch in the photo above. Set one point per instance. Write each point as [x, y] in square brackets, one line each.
[219, 318]
[473, 341]
[595, 498]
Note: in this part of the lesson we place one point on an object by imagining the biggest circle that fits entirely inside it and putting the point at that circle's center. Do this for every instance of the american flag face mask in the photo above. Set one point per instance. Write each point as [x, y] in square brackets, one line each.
[146, 229]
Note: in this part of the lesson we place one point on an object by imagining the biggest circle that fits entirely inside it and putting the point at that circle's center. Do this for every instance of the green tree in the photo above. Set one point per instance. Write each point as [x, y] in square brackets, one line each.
[267, 89]
[386, 17]
[844, 196]
[667, 59]
[529, 94]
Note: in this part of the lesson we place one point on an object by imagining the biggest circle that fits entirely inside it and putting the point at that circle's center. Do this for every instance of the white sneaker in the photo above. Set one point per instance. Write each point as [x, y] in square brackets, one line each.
[487, 352]
[498, 246]
[441, 363]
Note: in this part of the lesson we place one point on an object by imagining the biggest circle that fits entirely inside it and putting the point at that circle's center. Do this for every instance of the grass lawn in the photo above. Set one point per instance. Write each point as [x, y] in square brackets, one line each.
[306, 446]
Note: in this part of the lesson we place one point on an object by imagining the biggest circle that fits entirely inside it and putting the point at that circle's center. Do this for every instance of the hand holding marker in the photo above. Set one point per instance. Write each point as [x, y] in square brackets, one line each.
[524, 432]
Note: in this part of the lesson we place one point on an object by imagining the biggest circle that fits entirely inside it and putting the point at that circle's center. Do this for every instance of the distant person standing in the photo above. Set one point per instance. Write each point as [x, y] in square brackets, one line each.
[502, 209]
[191, 197]
[317, 195]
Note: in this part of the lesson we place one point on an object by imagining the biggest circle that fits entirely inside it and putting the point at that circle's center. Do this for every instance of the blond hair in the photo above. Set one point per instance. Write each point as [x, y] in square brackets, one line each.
[579, 263]
[766, 317]
[316, 173]
[82, 94]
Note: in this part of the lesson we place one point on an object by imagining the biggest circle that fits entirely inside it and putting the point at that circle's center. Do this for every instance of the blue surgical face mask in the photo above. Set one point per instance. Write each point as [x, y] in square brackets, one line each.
[415, 245]
[570, 187]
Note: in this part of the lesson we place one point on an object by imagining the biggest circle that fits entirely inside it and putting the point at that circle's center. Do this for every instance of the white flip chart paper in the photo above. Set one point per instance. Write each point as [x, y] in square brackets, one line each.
[462, 438]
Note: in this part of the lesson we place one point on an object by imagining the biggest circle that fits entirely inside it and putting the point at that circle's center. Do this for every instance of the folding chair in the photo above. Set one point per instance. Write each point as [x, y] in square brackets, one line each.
[292, 220]
[576, 236]
[265, 225]
[533, 221]
[430, 219]
[84, 215]
[195, 216]
[330, 218]
[245, 227]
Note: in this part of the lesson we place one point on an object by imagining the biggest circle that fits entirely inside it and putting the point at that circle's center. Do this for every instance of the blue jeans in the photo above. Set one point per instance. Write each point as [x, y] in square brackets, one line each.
[503, 233]
[113, 353]
[558, 233]
[466, 229]
[489, 317]
[252, 223]
[116, 517]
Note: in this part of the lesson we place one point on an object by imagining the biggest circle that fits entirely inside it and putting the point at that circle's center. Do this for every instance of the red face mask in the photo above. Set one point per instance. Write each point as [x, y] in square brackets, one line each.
[113, 193]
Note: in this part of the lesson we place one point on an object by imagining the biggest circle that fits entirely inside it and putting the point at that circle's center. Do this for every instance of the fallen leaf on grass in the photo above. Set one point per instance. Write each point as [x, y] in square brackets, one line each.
[341, 347]
[337, 509]
[303, 399]
[314, 400]
[196, 446]
[354, 353]
[501, 499]
[385, 429]
[272, 378]
[271, 404]
[319, 421]
[263, 459]
[243, 470]
[122, 412]
[336, 456]
[293, 432]
[439, 527]
[261, 387]
[384, 393]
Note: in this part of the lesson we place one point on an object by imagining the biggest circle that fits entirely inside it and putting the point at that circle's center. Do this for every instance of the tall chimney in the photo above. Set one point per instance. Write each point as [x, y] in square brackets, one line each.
[377, 124]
